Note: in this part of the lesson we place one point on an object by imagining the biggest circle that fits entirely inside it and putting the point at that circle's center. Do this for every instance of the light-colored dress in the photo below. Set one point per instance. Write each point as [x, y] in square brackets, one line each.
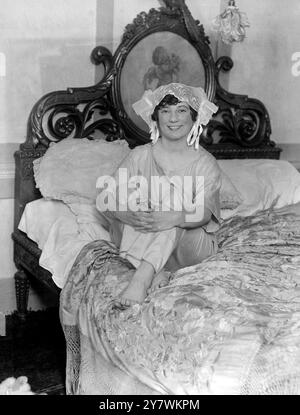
[157, 247]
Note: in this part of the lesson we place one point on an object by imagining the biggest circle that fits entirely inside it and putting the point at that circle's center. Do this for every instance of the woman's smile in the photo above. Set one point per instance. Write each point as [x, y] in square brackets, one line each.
[174, 127]
[175, 121]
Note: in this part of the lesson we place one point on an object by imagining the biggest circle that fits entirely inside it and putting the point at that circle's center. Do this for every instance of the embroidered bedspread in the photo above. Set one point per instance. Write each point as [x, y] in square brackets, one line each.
[230, 325]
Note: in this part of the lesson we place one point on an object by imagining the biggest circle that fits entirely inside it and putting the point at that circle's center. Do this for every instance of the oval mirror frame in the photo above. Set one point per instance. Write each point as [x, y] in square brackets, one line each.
[159, 47]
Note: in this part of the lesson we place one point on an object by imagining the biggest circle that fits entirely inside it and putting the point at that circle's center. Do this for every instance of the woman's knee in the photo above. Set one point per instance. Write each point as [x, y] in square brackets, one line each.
[194, 246]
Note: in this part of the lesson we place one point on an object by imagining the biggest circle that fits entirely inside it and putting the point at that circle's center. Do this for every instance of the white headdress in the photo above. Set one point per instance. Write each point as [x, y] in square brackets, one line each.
[194, 96]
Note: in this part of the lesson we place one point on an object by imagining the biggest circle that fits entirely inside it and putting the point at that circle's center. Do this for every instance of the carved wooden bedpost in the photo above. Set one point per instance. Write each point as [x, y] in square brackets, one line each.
[22, 293]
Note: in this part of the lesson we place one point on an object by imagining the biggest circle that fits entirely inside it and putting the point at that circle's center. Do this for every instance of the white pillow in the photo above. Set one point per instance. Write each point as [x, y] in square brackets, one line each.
[40, 215]
[230, 197]
[262, 183]
[60, 234]
[69, 169]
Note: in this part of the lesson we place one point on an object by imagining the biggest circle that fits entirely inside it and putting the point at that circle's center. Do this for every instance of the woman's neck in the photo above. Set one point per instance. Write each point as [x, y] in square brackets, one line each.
[178, 146]
[173, 157]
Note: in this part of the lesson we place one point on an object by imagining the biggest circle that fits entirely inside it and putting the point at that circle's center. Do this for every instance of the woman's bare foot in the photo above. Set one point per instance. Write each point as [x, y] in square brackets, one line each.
[136, 291]
[161, 279]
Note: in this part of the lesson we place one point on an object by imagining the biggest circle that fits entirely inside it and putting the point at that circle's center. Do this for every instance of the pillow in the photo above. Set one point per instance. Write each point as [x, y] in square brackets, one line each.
[262, 183]
[60, 234]
[39, 216]
[230, 197]
[68, 171]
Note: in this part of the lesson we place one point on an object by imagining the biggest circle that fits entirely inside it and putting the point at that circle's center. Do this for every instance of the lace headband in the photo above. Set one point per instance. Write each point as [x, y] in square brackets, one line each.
[194, 96]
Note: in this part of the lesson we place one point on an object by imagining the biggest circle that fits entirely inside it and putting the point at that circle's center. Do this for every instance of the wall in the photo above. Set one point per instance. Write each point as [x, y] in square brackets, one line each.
[204, 10]
[44, 51]
[46, 46]
[263, 67]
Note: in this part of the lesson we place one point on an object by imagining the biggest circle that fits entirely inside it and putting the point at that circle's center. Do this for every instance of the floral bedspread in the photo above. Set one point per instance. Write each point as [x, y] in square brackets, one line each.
[230, 325]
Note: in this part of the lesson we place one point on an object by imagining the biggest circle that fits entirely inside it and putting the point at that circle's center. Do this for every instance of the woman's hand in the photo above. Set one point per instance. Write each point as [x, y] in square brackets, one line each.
[150, 221]
[139, 220]
[157, 221]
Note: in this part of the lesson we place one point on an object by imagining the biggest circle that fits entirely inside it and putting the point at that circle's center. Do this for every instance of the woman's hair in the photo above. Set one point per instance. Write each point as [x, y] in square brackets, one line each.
[170, 100]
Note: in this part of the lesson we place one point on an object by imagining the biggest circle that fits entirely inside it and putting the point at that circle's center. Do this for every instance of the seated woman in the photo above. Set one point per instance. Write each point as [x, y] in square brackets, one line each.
[173, 228]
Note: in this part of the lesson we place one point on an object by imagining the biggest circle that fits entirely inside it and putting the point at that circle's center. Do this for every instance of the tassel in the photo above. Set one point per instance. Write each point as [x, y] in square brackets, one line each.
[154, 132]
[194, 135]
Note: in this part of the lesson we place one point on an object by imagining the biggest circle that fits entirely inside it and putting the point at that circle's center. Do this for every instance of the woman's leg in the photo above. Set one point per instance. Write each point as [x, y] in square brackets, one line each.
[193, 246]
[136, 291]
[148, 252]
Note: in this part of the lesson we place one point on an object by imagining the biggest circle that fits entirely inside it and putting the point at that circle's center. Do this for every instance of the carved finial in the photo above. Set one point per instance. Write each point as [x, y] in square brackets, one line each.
[174, 3]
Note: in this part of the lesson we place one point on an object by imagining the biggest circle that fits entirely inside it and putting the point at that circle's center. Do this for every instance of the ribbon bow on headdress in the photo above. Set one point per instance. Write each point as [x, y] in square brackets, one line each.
[194, 96]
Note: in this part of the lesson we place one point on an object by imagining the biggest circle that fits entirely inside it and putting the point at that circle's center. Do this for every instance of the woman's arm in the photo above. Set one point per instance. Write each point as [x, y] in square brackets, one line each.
[156, 221]
[138, 220]
[190, 224]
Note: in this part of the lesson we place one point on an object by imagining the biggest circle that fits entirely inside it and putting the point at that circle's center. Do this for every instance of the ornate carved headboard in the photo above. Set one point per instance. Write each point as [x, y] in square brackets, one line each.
[160, 46]
[240, 129]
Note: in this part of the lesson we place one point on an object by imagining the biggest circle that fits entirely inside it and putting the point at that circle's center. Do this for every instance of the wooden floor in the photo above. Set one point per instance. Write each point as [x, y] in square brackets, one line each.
[36, 349]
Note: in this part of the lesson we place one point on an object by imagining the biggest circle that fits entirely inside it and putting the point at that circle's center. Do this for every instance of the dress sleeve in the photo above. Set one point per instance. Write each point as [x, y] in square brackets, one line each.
[129, 166]
[211, 173]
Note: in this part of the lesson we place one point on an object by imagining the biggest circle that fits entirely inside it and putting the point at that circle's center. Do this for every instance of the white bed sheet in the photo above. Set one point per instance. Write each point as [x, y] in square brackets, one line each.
[59, 234]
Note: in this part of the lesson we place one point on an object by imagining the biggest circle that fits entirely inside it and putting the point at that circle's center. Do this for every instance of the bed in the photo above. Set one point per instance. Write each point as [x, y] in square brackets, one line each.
[229, 325]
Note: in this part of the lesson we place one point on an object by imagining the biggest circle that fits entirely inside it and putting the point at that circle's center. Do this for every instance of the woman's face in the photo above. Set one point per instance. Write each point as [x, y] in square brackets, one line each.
[175, 121]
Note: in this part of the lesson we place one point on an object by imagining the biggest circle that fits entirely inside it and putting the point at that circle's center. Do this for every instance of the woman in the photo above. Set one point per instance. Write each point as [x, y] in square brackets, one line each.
[174, 228]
